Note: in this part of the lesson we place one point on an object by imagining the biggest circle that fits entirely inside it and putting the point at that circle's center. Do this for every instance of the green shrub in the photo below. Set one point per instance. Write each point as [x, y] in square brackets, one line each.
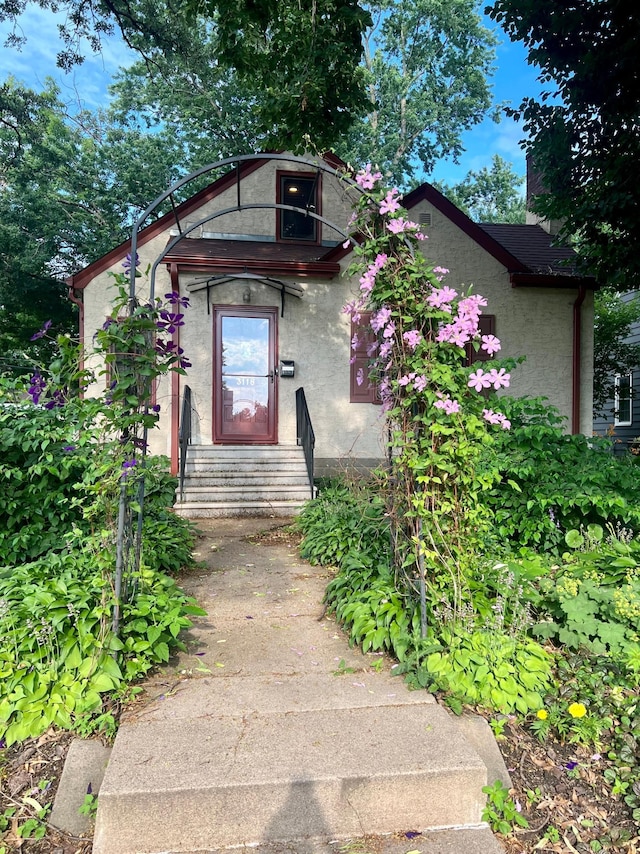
[343, 520]
[56, 647]
[551, 482]
[591, 598]
[483, 668]
[46, 458]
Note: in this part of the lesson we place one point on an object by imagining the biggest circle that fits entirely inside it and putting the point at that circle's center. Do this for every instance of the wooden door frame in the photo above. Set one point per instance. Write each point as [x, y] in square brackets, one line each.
[270, 313]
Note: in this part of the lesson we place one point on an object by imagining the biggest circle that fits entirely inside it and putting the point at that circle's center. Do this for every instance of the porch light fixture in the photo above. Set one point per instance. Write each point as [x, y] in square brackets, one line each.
[246, 295]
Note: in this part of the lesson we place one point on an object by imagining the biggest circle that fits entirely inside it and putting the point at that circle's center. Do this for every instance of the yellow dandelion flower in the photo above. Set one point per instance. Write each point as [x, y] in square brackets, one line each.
[577, 710]
[542, 715]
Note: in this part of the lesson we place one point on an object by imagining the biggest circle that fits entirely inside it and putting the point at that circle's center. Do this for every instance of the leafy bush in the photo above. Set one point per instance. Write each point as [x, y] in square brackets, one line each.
[551, 482]
[591, 599]
[483, 668]
[46, 457]
[365, 599]
[343, 520]
[56, 648]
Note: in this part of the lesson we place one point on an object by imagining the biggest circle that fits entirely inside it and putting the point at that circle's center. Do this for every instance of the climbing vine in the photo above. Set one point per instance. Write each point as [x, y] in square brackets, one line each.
[422, 334]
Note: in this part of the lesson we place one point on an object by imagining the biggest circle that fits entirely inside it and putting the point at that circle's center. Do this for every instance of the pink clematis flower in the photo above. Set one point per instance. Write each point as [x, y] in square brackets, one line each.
[499, 379]
[480, 380]
[367, 179]
[413, 338]
[490, 344]
[390, 203]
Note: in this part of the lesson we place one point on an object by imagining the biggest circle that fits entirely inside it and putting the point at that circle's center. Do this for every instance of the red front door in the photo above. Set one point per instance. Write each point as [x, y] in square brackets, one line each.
[244, 381]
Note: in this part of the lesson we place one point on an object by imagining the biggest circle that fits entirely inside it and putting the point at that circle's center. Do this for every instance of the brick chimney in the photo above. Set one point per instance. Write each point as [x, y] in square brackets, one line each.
[536, 187]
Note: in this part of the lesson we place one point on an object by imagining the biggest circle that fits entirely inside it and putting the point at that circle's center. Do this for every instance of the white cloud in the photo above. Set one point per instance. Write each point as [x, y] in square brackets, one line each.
[36, 60]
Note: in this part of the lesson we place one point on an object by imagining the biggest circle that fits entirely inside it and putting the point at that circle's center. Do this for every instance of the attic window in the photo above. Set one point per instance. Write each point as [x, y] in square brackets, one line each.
[299, 190]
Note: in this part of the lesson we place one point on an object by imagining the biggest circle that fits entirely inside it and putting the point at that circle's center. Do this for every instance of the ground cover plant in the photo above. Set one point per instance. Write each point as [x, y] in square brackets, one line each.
[495, 557]
[74, 634]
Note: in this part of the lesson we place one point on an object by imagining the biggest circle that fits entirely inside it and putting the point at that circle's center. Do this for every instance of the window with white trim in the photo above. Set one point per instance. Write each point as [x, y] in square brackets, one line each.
[623, 404]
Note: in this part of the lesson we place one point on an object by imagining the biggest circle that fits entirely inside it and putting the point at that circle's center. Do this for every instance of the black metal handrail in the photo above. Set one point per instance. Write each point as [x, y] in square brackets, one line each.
[305, 435]
[184, 435]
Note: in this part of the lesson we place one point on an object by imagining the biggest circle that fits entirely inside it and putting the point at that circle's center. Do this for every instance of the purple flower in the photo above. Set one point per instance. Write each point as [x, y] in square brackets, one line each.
[174, 298]
[128, 466]
[68, 448]
[156, 408]
[571, 765]
[56, 401]
[166, 348]
[127, 263]
[170, 322]
[37, 387]
[184, 363]
[360, 376]
[42, 332]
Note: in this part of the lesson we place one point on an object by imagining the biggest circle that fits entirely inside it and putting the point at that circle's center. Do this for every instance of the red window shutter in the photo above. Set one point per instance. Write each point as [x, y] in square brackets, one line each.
[487, 326]
[367, 392]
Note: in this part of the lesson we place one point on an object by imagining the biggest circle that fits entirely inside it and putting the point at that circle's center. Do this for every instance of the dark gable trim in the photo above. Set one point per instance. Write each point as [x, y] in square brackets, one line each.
[425, 192]
[81, 279]
[218, 266]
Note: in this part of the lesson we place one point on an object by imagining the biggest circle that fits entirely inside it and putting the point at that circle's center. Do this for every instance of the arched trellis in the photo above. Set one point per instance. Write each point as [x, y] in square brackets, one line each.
[318, 167]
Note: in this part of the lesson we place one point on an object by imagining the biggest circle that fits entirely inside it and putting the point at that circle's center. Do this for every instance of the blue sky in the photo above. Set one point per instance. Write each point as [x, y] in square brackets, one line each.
[514, 79]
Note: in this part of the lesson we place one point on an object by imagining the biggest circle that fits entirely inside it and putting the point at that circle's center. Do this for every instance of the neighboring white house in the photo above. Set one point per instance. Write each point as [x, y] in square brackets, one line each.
[267, 287]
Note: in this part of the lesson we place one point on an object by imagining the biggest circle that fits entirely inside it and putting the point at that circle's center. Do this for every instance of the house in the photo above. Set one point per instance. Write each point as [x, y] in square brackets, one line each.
[267, 285]
[620, 419]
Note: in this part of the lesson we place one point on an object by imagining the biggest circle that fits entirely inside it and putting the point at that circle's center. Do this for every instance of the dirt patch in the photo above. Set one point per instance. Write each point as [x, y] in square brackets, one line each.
[29, 777]
[561, 791]
[284, 535]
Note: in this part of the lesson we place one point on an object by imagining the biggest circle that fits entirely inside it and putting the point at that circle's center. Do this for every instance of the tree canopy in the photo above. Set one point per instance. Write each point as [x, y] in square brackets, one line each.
[427, 66]
[304, 55]
[489, 195]
[584, 133]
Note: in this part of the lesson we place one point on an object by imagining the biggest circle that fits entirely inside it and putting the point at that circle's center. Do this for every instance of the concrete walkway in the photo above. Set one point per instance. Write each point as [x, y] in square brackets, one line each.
[271, 731]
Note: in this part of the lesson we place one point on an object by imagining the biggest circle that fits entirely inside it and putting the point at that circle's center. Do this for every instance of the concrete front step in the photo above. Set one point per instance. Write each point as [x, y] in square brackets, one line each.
[257, 479]
[215, 780]
[247, 480]
[461, 840]
[231, 509]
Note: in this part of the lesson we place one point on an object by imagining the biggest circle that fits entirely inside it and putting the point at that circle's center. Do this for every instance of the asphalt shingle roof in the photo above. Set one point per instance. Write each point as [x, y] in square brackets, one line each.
[533, 246]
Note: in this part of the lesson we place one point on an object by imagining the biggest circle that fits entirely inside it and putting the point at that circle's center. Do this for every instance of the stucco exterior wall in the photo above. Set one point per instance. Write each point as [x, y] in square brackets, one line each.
[536, 323]
[532, 322]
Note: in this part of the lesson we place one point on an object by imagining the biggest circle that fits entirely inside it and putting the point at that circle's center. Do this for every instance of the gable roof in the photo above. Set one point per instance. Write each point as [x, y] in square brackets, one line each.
[526, 251]
[532, 245]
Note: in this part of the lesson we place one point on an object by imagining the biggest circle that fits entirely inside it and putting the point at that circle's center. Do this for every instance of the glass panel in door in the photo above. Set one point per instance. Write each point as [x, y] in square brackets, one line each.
[244, 391]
